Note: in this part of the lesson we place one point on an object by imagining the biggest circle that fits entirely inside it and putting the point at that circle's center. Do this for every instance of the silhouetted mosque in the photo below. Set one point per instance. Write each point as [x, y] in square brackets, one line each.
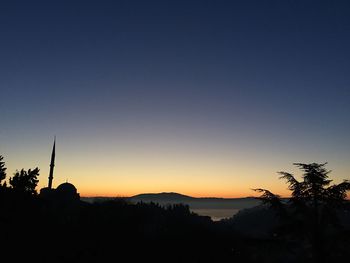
[65, 192]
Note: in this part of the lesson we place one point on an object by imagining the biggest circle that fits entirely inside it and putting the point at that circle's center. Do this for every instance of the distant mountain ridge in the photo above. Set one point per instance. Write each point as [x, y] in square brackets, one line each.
[169, 198]
[215, 207]
[162, 196]
[180, 197]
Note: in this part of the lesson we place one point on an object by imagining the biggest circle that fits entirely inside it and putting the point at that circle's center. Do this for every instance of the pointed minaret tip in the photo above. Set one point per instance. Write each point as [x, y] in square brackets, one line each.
[52, 163]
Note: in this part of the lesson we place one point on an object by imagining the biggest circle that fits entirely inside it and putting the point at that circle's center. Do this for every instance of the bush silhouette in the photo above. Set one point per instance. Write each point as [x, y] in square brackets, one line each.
[25, 181]
[2, 170]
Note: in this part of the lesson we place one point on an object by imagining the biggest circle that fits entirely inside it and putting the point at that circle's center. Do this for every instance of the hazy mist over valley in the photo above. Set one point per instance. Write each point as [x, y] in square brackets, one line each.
[216, 208]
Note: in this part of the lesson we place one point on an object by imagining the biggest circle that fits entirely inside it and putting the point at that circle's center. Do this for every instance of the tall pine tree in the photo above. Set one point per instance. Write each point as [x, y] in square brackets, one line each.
[312, 210]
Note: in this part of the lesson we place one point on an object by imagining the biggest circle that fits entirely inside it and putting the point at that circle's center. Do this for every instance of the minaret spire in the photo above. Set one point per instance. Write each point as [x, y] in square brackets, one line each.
[52, 164]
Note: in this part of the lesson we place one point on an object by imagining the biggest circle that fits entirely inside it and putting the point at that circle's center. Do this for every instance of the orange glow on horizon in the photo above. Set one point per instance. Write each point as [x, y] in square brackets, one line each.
[221, 174]
[192, 194]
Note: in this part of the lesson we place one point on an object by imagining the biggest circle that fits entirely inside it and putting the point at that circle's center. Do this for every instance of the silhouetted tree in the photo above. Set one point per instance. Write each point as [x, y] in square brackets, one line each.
[313, 203]
[25, 181]
[2, 170]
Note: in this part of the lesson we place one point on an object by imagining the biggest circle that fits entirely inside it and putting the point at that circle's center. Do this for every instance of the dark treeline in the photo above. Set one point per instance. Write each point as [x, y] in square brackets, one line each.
[35, 228]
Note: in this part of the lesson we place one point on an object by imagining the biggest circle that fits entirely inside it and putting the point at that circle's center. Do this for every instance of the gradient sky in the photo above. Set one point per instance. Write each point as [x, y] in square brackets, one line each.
[205, 98]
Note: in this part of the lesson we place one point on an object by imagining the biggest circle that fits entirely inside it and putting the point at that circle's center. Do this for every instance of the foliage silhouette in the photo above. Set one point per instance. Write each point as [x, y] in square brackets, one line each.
[110, 231]
[2, 170]
[25, 181]
[311, 213]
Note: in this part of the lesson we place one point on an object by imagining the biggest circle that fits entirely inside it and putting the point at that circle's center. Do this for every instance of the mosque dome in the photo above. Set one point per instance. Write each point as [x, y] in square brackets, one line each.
[66, 188]
[67, 191]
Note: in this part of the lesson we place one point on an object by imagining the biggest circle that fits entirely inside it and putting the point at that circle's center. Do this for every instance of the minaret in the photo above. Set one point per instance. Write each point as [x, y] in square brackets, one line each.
[52, 164]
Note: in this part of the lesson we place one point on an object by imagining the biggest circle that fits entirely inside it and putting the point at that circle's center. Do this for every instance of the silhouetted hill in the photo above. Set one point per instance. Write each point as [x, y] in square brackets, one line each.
[155, 197]
[194, 202]
[166, 198]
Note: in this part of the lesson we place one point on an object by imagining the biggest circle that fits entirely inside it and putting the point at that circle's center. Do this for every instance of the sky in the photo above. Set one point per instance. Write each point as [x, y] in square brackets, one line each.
[204, 98]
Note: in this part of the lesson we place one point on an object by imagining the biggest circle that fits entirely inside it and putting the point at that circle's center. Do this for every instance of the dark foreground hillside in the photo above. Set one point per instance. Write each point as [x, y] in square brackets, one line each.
[116, 231]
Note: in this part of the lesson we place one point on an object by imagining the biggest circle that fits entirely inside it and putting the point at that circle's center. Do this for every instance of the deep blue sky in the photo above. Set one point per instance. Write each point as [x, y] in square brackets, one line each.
[265, 81]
